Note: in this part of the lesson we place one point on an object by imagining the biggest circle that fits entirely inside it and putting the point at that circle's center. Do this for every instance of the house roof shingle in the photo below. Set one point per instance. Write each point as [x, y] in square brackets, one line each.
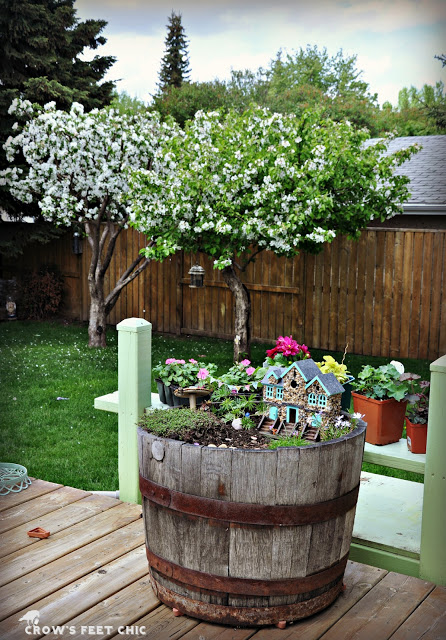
[426, 169]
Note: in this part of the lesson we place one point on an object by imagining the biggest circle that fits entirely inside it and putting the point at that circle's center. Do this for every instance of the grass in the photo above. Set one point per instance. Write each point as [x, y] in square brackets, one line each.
[66, 440]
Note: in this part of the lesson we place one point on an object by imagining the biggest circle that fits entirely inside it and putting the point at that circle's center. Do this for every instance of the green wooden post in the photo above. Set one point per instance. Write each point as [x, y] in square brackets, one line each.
[134, 392]
[433, 525]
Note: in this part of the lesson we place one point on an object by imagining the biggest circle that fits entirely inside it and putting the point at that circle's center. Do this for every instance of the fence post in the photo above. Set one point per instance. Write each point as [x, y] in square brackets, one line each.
[433, 525]
[134, 392]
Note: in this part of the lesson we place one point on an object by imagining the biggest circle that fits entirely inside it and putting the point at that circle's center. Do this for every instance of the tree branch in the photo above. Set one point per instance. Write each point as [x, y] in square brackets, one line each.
[124, 280]
[102, 209]
[102, 266]
[251, 259]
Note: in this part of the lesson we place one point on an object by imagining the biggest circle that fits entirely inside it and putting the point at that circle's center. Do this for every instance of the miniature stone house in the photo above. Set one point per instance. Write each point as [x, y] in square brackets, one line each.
[302, 394]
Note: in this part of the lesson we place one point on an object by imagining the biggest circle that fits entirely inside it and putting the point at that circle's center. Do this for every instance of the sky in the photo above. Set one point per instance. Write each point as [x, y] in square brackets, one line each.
[395, 41]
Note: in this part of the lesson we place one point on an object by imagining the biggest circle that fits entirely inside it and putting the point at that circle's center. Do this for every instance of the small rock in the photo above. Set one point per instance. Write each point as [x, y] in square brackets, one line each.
[254, 438]
[212, 445]
[222, 446]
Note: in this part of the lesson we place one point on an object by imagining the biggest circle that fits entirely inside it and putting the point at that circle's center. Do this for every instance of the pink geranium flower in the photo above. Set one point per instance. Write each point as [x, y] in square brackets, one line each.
[170, 361]
[245, 363]
[191, 360]
[287, 345]
[202, 374]
[250, 371]
[181, 362]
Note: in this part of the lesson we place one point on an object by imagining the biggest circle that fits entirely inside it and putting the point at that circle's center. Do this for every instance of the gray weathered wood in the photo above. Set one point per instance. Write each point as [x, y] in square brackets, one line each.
[254, 481]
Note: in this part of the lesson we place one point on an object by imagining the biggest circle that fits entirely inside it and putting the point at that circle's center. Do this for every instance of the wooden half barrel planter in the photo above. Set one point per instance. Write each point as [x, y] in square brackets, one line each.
[244, 536]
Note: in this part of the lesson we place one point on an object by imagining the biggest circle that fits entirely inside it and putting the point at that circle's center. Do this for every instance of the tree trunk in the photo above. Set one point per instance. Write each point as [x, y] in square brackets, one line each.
[102, 245]
[242, 328]
[97, 320]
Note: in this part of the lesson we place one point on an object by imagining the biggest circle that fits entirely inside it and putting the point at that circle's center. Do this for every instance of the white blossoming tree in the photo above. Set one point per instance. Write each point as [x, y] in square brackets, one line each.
[79, 166]
[233, 186]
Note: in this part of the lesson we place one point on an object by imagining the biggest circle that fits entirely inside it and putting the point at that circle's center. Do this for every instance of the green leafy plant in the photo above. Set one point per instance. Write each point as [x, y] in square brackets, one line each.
[382, 383]
[242, 374]
[184, 374]
[342, 425]
[418, 407]
[330, 365]
[288, 441]
[230, 406]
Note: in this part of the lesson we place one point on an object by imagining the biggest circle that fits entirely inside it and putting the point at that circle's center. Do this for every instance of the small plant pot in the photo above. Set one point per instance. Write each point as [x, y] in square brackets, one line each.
[416, 436]
[385, 418]
[161, 390]
[346, 397]
[168, 392]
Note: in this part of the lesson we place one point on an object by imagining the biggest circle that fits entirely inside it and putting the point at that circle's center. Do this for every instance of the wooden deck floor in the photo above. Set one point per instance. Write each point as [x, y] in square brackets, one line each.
[90, 578]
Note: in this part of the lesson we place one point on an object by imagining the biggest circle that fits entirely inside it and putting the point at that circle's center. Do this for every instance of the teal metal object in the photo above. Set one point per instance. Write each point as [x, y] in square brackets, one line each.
[13, 478]
[433, 525]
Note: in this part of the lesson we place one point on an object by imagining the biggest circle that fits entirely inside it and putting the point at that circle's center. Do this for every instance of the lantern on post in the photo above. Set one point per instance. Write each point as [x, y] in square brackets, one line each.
[77, 243]
[11, 308]
[196, 276]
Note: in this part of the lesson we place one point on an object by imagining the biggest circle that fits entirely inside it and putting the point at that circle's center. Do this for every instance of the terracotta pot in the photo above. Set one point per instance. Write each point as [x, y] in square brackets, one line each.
[416, 436]
[385, 418]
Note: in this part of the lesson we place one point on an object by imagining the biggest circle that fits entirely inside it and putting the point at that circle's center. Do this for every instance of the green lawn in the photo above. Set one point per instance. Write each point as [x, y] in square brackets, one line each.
[68, 441]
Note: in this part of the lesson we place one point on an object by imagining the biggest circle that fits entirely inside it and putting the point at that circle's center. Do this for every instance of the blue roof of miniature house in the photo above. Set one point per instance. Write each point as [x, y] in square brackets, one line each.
[329, 381]
[277, 372]
[307, 368]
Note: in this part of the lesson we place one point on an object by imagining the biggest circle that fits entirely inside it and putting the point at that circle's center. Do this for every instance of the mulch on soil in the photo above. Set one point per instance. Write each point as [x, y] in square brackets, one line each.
[226, 435]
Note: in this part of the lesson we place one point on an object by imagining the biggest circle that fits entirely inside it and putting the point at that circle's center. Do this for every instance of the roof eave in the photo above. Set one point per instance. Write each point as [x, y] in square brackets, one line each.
[432, 209]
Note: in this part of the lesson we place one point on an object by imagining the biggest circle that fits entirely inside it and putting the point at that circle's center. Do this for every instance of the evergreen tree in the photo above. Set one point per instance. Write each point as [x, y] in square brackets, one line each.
[40, 46]
[175, 63]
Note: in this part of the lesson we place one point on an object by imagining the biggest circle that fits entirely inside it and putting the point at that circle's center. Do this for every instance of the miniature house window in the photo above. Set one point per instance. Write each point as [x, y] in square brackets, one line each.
[322, 401]
[312, 399]
[279, 393]
[270, 391]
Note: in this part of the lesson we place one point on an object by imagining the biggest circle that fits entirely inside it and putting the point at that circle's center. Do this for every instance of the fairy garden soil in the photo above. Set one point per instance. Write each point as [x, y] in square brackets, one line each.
[202, 427]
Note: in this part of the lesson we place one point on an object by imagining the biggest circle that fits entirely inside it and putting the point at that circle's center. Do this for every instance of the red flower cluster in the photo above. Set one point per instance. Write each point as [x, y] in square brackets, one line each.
[286, 346]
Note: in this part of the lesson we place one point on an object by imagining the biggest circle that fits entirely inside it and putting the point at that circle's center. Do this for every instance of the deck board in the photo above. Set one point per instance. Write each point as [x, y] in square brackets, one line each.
[72, 514]
[92, 571]
[36, 489]
[22, 513]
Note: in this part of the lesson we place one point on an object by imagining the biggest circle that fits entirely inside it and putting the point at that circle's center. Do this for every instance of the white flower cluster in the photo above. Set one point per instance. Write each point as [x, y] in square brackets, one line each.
[80, 163]
[258, 178]
[220, 186]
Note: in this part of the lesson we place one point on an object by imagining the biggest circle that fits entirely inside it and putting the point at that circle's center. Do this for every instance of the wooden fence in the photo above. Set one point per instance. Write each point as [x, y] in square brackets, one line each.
[383, 295]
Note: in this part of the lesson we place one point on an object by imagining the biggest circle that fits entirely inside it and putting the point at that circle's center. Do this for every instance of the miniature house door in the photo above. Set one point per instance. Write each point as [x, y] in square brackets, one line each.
[292, 414]
[316, 421]
[273, 413]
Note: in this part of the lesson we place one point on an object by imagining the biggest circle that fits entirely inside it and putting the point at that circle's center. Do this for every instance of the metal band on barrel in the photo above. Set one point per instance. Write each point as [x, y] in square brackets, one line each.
[245, 586]
[247, 513]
